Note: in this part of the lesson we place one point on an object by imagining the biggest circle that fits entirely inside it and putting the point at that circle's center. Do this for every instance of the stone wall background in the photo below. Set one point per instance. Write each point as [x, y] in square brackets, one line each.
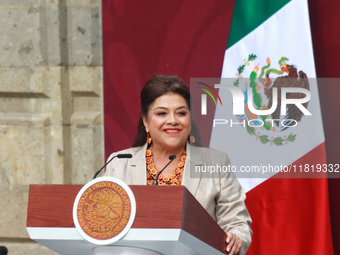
[51, 104]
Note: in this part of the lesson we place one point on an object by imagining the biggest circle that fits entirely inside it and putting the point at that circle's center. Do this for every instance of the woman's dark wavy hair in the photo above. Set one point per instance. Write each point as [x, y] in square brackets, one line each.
[155, 87]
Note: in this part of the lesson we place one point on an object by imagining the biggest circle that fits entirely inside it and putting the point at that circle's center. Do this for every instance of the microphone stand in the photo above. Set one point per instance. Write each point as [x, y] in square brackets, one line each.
[171, 158]
[116, 156]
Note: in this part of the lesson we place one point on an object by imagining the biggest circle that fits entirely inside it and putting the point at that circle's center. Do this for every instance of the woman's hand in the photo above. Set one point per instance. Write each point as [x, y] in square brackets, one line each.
[234, 244]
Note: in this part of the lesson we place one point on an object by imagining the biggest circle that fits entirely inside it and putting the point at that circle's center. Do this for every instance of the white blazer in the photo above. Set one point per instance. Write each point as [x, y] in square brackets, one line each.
[219, 193]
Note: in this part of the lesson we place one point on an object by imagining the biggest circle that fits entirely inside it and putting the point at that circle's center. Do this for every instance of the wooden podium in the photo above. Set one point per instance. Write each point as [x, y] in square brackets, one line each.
[169, 220]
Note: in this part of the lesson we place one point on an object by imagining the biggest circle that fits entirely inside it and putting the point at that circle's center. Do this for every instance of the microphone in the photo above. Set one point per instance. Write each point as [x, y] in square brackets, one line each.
[3, 250]
[116, 156]
[171, 158]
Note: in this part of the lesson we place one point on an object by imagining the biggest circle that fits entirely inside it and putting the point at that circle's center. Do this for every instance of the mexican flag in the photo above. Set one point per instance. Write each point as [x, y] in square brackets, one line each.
[270, 41]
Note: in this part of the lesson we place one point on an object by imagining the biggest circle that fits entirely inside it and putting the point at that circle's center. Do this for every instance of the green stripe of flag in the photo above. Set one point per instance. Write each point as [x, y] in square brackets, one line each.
[249, 14]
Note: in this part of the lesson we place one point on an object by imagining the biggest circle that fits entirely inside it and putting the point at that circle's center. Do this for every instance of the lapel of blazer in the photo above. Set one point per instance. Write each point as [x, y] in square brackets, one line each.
[137, 167]
[193, 159]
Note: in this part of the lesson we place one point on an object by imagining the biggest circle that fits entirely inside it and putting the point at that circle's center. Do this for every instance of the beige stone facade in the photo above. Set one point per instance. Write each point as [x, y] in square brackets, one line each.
[51, 104]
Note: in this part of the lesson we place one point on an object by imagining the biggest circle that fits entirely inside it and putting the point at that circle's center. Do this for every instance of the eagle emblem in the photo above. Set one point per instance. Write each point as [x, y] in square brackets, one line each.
[262, 80]
[104, 210]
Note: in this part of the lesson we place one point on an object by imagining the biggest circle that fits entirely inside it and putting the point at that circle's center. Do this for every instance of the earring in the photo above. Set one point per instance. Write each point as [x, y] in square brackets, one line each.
[191, 139]
[148, 138]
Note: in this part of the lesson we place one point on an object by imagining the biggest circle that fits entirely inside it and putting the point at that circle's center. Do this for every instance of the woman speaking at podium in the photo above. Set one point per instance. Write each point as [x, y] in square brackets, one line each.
[163, 131]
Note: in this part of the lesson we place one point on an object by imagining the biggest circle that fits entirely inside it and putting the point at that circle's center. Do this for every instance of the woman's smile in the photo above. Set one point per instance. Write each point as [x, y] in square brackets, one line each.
[172, 131]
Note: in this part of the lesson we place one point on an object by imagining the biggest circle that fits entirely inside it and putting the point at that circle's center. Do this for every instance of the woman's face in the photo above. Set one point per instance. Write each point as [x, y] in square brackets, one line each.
[168, 121]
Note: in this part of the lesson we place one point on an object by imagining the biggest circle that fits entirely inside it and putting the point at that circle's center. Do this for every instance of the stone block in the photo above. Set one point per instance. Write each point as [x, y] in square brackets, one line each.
[86, 80]
[13, 211]
[87, 152]
[85, 35]
[30, 150]
[20, 36]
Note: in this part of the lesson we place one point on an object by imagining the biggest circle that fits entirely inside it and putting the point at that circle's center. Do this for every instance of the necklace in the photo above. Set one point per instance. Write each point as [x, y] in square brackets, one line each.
[173, 179]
